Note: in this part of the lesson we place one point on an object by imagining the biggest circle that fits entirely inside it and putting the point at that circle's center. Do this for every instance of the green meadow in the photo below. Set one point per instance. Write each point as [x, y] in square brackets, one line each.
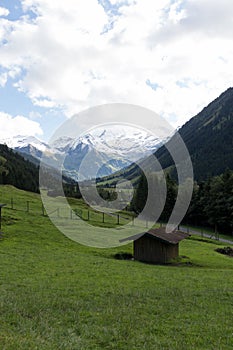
[58, 294]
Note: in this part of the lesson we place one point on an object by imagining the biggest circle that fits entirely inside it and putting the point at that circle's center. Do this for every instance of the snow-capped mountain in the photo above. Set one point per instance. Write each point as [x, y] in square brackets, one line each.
[107, 148]
[21, 142]
[128, 142]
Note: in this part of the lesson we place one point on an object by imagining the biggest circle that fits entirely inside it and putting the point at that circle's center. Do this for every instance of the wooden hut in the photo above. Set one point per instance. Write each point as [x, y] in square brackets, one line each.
[156, 245]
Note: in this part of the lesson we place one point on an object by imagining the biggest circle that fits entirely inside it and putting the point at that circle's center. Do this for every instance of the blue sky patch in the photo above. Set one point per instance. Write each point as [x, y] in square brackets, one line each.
[153, 86]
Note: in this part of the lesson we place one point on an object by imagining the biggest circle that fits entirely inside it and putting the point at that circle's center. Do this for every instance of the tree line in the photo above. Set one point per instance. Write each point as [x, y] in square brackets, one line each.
[211, 204]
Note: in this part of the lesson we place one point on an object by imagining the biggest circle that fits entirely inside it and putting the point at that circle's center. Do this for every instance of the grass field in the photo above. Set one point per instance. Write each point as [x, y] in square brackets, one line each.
[58, 294]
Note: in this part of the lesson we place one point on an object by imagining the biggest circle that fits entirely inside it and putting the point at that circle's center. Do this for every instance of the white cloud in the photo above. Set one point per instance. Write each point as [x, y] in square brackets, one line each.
[43, 102]
[210, 18]
[75, 55]
[19, 125]
[3, 79]
[4, 12]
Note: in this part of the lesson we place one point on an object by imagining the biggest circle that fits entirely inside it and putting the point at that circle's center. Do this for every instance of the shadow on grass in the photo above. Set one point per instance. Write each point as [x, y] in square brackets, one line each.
[181, 261]
[123, 256]
[226, 251]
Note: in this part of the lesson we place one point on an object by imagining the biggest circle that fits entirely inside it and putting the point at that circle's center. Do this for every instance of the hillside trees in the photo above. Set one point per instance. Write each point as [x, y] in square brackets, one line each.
[219, 206]
[3, 170]
[170, 198]
[141, 195]
[212, 203]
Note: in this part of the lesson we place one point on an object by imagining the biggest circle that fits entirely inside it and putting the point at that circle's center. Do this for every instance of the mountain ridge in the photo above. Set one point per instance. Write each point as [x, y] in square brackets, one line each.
[208, 138]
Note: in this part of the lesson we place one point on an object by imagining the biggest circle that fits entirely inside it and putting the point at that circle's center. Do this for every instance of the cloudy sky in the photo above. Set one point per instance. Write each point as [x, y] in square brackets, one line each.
[60, 57]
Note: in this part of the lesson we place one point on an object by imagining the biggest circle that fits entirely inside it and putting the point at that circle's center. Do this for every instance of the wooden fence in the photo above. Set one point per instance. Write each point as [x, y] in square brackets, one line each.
[96, 217]
[74, 213]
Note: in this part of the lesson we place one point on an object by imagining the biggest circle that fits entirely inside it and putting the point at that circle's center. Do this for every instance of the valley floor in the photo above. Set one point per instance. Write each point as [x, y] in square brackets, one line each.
[58, 294]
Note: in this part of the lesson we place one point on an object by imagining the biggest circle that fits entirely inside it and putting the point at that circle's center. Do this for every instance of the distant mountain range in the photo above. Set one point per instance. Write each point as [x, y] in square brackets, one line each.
[208, 138]
[108, 149]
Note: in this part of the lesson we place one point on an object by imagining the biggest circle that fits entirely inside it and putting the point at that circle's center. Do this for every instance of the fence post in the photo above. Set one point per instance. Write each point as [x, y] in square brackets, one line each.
[71, 214]
[88, 215]
[103, 217]
[2, 205]
[118, 219]
[132, 220]
[28, 206]
[12, 203]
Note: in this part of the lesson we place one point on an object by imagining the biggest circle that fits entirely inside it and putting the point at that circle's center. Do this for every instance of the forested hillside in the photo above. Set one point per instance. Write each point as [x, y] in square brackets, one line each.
[17, 171]
[208, 137]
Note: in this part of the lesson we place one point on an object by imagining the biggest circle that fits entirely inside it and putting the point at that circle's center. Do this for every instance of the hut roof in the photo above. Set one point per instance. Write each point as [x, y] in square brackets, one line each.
[160, 234]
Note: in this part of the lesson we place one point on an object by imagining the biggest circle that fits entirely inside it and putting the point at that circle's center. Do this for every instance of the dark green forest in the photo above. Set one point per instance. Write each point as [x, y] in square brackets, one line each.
[211, 204]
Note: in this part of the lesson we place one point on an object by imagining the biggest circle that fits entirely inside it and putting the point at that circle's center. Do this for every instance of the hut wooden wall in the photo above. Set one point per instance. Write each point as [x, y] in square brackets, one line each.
[151, 250]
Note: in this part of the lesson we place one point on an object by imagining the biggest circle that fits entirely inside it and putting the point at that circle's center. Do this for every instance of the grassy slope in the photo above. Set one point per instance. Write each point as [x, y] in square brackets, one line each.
[57, 294]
